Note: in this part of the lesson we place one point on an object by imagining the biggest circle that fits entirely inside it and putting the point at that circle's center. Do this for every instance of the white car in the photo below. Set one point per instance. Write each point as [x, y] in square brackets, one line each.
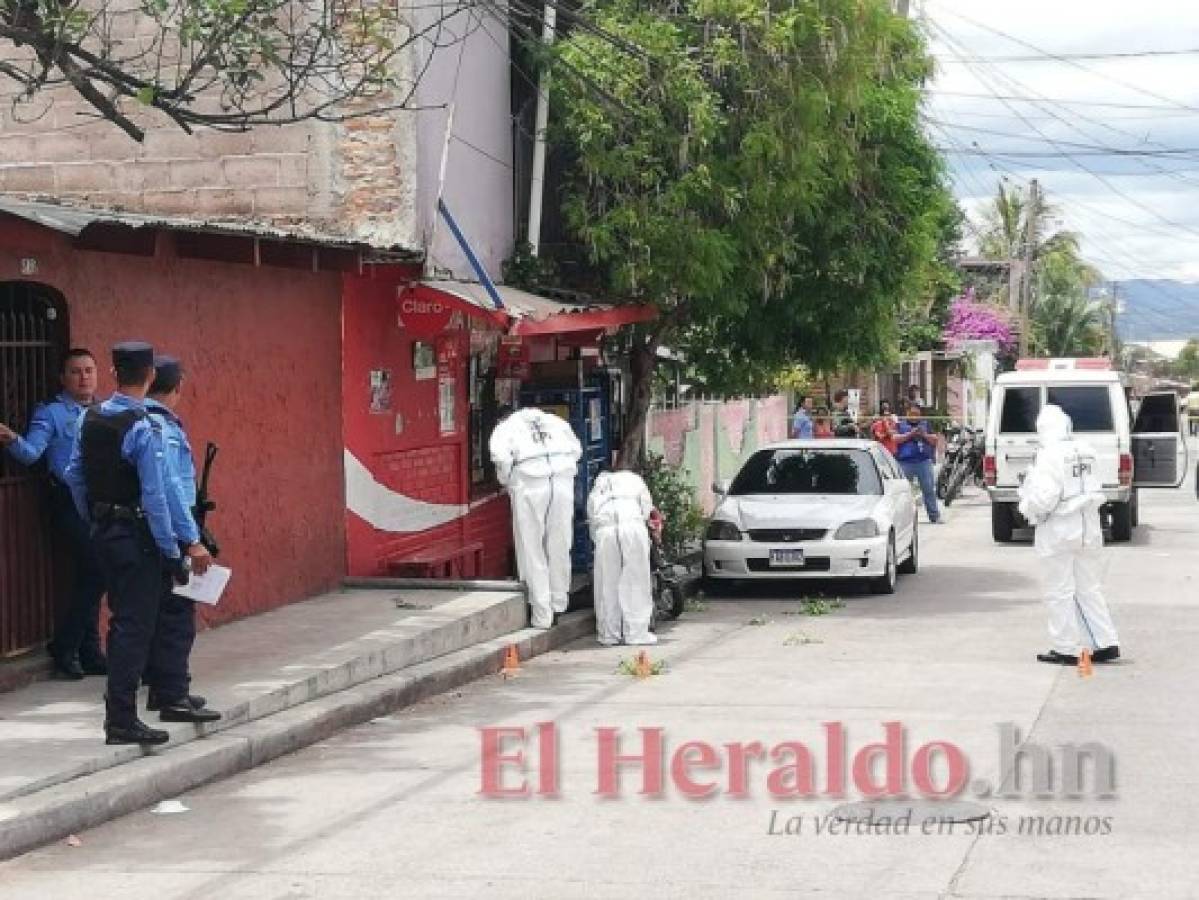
[820, 508]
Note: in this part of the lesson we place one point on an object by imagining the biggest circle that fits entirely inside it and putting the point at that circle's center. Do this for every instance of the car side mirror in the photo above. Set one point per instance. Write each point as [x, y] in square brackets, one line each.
[720, 488]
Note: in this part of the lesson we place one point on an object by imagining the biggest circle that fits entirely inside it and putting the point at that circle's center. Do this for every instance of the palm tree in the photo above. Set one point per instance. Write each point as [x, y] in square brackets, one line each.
[1069, 325]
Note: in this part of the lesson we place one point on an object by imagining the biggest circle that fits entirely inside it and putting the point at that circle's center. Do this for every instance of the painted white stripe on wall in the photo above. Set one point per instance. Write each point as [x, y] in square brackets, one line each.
[388, 510]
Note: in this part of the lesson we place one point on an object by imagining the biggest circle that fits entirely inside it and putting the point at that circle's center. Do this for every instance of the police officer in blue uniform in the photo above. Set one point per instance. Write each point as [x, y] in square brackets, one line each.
[116, 478]
[51, 435]
[175, 633]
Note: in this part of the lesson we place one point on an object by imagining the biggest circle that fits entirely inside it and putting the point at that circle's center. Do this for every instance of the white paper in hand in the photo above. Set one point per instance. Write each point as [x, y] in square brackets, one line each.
[206, 588]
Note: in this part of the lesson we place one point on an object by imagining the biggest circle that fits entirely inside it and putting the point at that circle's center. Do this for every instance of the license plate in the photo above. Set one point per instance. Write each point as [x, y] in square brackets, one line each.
[786, 557]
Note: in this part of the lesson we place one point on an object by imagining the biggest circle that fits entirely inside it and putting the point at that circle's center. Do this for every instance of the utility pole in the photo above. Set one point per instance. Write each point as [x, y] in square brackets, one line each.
[901, 8]
[537, 176]
[1030, 244]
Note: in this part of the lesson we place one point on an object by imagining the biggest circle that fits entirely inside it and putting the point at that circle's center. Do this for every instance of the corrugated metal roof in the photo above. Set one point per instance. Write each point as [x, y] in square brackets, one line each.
[72, 220]
[520, 304]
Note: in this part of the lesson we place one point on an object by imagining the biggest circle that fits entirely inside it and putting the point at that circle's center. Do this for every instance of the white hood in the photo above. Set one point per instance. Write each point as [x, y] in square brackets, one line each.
[797, 510]
[1053, 425]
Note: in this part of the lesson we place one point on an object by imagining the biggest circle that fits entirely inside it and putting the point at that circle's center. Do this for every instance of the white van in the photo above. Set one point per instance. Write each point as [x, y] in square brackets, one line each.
[1148, 451]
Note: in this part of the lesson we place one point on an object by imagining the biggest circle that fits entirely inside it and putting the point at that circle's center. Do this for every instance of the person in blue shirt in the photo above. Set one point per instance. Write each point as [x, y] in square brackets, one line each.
[801, 425]
[916, 449]
[75, 647]
[116, 477]
[175, 632]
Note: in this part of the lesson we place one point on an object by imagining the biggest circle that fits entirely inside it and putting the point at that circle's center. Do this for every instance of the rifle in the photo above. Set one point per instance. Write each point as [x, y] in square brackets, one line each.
[204, 503]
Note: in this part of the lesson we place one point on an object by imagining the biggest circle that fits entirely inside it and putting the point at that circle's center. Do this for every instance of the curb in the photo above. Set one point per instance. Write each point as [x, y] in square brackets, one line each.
[36, 819]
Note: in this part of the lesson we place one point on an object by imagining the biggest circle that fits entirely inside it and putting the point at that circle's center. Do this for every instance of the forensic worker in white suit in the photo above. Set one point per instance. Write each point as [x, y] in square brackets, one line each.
[618, 512]
[536, 456]
[1061, 496]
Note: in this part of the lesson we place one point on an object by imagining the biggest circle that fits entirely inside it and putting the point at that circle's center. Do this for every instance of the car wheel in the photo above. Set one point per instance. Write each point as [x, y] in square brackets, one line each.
[885, 583]
[1136, 508]
[910, 565]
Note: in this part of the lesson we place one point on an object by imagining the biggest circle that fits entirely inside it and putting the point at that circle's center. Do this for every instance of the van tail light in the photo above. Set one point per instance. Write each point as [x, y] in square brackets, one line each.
[1125, 470]
[990, 471]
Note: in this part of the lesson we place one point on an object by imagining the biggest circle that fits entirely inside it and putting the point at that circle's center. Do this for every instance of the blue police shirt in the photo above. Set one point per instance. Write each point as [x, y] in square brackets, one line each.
[179, 472]
[915, 450]
[801, 425]
[142, 448]
[51, 432]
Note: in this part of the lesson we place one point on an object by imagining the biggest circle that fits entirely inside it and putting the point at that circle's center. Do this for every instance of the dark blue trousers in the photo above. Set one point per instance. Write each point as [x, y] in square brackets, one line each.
[174, 634]
[78, 632]
[138, 579]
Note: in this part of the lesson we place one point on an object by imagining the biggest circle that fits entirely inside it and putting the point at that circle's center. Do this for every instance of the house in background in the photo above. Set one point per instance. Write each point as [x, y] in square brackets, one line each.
[339, 348]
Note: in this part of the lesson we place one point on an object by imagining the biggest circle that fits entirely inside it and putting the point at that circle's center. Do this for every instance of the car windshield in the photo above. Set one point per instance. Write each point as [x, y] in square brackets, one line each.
[808, 471]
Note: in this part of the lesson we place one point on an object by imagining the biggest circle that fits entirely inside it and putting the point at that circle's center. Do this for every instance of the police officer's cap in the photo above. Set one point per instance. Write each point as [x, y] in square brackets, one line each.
[168, 373]
[132, 355]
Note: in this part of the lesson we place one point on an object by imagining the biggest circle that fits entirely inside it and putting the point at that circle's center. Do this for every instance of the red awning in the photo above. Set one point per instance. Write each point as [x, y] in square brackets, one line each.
[592, 320]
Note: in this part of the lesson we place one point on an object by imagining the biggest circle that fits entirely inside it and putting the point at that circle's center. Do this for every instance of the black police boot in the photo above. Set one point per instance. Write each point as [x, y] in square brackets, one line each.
[1057, 659]
[136, 733]
[154, 702]
[65, 667]
[1106, 654]
[183, 711]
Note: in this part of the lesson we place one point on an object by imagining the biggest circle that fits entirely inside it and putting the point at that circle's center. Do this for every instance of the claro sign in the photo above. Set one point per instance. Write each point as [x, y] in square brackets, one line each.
[419, 315]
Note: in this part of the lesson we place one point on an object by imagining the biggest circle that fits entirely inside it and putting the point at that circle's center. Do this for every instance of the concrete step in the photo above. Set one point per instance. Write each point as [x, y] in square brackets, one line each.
[50, 814]
[51, 731]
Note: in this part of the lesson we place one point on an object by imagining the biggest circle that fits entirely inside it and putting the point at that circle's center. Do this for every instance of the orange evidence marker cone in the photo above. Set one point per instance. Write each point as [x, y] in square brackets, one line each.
[511, 661]
[642, 667]
[1085, 668]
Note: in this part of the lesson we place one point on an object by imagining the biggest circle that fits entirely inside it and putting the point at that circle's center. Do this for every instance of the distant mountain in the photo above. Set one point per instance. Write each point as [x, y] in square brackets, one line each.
[1157, 310]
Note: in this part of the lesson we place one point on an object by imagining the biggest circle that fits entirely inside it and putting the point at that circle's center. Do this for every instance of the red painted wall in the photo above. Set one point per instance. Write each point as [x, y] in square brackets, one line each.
[410, 457]
[262, 347]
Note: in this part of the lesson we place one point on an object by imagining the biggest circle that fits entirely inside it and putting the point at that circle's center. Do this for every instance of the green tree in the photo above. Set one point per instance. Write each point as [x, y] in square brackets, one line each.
[1187, 364]
[756, 170]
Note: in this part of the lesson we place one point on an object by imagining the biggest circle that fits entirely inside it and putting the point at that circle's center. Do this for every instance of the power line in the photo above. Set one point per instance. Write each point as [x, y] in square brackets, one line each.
[1067, 61]
[1041, 56]
[1173, 108]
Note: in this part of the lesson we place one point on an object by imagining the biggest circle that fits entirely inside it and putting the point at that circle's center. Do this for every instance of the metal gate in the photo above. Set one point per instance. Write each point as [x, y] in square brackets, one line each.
[32, 340]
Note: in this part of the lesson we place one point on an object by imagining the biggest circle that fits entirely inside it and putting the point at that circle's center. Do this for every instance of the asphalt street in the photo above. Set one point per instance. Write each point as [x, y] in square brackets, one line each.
[395, 808]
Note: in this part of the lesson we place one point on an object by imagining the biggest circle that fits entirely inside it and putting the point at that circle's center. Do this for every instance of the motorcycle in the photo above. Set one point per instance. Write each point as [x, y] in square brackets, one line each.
[669, 599]
[963, 460]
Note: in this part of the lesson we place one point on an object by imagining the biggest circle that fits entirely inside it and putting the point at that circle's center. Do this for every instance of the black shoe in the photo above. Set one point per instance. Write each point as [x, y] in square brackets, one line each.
[1106, 654]
[1057, 659]
[154, 702]
[137, 733]
[185, 712]
[95, 665]
[68, 669]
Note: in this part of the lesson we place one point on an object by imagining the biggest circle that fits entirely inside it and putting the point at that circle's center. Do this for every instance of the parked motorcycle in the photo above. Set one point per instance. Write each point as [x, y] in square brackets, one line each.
[667, 585]
[963, 460]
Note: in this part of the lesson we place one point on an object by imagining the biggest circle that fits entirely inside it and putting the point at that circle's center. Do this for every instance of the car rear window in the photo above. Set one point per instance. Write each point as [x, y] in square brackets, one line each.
[1089, 408]
[805, 471]
[1021, 406]
[1158, 414]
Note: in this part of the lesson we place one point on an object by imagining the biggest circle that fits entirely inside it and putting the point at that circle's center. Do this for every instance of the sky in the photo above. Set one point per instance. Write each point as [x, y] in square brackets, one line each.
[1137, 213]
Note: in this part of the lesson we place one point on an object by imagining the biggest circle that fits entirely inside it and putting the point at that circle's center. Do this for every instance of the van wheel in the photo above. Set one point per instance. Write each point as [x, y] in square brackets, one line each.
[1136, 508]
[1122, 521]
[1001, 522]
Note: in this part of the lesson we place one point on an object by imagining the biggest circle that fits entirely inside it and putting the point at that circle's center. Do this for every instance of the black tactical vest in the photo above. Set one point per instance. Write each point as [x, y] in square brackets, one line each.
[109, 478]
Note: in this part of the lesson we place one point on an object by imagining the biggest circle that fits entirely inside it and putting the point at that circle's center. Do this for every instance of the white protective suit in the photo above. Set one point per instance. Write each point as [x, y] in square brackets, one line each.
[618, 513]
[536, 455]
[1061, 495]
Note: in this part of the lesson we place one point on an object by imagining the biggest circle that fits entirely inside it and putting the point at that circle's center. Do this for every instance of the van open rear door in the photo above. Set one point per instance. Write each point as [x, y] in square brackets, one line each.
[1159, 444]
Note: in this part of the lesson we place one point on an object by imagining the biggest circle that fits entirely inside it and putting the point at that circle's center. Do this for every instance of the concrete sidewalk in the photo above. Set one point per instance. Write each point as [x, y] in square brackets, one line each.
[283, 680]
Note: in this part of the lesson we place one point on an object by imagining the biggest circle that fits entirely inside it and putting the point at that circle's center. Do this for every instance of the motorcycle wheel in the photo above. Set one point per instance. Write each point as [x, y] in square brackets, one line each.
[956, 480]
[668, 602]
